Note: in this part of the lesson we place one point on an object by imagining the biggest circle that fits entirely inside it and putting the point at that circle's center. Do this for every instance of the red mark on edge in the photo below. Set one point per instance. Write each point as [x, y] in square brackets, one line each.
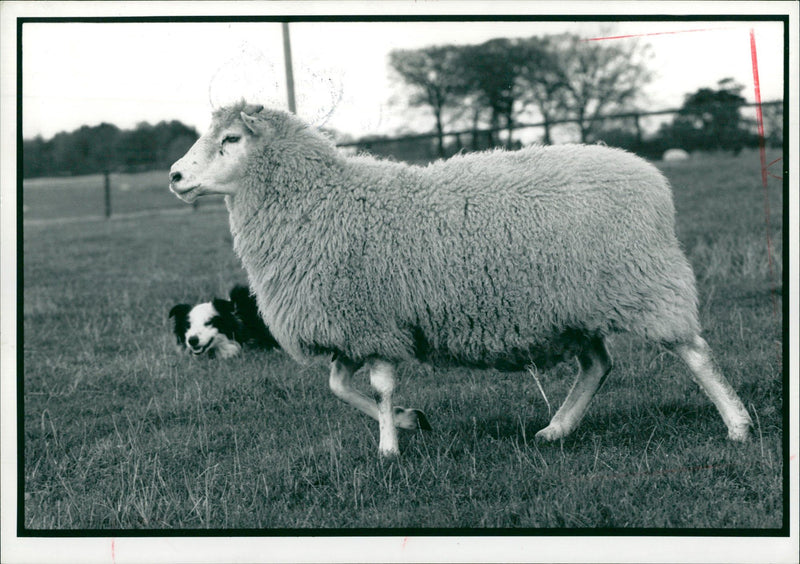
[113, 557]
[654, 33]
[779, 159]
[759, 115]
[405, 540]
[763, 153]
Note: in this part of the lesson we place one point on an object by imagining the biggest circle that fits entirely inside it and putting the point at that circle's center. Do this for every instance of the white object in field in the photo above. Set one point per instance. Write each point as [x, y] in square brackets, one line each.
[675, 155]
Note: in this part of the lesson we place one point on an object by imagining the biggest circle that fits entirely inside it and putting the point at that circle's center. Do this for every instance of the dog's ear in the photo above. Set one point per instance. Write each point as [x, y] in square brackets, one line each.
[226, 322]
[180, 310]
[240, 294]
[222, 306]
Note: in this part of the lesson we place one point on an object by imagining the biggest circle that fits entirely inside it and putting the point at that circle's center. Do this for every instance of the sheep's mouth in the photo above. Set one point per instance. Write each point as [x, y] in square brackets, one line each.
[186, 194]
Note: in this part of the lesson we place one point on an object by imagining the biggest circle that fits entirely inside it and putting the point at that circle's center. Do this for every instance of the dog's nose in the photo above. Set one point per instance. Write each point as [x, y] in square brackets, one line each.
[193, 341]
[175, 177]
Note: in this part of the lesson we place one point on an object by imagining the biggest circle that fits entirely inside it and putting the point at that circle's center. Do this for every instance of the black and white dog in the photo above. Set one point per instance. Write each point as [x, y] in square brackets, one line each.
[221, 327]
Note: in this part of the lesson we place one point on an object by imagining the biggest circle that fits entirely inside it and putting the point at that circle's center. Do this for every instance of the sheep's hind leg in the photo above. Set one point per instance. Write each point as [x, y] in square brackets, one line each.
[381, 378]
[341, 384]
[595, 365]
[697, 355]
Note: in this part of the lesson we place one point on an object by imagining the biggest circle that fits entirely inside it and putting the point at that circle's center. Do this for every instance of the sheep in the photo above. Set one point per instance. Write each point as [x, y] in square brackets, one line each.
[496, 259]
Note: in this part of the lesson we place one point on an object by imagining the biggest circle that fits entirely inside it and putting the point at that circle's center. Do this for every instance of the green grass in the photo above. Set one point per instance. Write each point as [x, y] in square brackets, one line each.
[121, 432]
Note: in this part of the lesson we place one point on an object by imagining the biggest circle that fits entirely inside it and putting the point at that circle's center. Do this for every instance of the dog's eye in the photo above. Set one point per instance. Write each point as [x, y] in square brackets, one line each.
[231, 139]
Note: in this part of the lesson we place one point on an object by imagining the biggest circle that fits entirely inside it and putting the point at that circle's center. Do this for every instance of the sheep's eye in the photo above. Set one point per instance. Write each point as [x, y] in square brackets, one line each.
[231, 139]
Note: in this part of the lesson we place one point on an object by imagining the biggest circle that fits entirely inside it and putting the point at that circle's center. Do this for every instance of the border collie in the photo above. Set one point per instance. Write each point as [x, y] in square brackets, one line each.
[221, 327]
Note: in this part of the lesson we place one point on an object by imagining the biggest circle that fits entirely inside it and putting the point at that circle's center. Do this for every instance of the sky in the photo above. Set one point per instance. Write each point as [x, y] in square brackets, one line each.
[125, 73]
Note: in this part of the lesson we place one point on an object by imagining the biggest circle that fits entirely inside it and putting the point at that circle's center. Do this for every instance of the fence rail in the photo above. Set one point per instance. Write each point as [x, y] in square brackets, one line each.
[636, 115]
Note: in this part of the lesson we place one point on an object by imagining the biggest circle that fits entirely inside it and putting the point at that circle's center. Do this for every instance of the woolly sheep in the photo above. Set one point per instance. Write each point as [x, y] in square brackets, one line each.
[495, 259]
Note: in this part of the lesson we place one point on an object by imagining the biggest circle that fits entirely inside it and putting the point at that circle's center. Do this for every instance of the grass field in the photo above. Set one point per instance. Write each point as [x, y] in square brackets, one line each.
[82, 196]
[123, 433]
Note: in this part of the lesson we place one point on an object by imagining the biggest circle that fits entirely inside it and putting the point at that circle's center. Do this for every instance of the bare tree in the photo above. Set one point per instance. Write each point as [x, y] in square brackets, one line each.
[544, 83]
[590, 79]
[436, 77]
[493, 72]
[563, 76]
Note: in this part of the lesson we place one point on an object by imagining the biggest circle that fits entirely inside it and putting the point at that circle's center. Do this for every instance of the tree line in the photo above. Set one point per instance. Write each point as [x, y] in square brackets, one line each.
[499, 82]
[105, 147]
[502, 83]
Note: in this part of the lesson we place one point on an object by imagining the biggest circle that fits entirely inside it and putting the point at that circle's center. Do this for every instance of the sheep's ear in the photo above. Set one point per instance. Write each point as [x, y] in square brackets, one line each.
[252, 123]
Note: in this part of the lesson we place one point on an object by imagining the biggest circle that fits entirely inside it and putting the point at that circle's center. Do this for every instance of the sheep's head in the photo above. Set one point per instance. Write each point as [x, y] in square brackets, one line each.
[216, 163]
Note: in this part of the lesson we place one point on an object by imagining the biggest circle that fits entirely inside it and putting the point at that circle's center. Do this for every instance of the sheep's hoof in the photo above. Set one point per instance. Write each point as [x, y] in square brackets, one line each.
[551, 433]
[390, 455]
[411, 419]
[739, 433]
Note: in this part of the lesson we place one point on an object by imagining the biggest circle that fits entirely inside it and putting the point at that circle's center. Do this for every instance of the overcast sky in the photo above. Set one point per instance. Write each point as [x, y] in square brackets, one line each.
[124, 73]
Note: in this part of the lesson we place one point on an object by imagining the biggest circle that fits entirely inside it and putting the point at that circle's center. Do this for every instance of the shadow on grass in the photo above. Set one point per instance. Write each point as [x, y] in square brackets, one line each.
[669, 419]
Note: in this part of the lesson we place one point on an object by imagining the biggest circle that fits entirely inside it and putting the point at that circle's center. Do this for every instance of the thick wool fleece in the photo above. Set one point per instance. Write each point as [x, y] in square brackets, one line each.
[492, 259]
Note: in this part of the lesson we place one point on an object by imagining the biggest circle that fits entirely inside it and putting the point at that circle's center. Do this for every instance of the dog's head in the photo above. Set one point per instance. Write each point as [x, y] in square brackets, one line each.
[209, 327]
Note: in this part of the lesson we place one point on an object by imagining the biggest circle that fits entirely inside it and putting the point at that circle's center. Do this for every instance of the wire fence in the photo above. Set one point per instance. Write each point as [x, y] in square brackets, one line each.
[129, 194]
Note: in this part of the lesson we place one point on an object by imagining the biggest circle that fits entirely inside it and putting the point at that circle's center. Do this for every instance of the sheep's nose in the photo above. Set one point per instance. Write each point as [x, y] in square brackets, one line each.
[193, 341]
[175, 177]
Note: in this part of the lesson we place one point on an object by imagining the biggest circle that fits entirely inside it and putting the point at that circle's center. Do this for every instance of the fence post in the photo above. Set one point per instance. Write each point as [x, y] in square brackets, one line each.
[638, 129]
[107, 190]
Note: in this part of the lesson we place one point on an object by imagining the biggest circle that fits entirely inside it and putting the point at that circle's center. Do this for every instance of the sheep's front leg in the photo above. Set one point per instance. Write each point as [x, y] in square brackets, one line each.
[381, 378]
[341, 384]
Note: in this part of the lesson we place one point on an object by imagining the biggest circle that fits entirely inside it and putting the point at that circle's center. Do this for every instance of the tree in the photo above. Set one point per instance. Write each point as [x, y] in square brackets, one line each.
[102, 144]
[104, 148]
[66, 152]
[589, 79]
[491, 71]
[171, 140]
[773, 124]
[544, 83]
[37, 157]
[711, 119]
[435, 76]
[136, 148]
[494, 72]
